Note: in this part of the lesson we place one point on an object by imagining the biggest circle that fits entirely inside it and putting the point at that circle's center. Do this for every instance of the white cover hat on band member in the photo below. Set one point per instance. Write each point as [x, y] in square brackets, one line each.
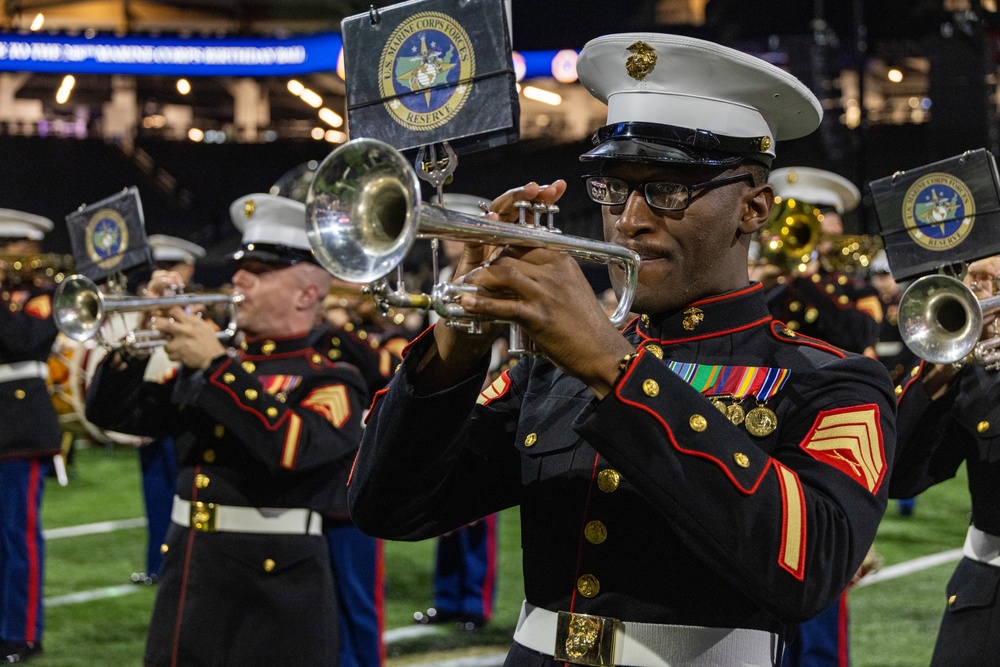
[166, 248]
[274, 229]
[21, 225]
[684, 100]
[817, 187]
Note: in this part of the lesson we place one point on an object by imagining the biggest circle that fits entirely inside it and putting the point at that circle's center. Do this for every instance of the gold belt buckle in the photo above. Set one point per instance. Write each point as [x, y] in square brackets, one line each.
[203, 516]
[583, 639]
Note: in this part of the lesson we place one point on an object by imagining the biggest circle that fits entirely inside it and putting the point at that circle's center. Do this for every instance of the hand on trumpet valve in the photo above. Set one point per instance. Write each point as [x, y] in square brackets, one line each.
[192, 340]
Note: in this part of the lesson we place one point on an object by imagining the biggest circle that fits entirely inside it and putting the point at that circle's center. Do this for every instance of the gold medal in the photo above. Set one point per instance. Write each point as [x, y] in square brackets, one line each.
[735, 413]
[761, 421]
[719, 405]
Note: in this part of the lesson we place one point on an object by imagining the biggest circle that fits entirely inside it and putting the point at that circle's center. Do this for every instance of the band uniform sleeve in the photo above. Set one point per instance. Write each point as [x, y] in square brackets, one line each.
[27, 329]
[790, 526]
[430, 464]
[318, 422]
[119, 400]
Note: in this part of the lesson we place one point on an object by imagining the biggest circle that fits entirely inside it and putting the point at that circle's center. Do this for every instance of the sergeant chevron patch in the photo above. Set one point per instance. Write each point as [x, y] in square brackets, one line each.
[331, 402]
[495, 390]
[850, 439]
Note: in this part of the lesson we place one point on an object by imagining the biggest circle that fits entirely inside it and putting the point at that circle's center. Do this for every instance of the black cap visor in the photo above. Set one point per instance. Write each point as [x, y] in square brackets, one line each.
[279, 255]
[653, 142]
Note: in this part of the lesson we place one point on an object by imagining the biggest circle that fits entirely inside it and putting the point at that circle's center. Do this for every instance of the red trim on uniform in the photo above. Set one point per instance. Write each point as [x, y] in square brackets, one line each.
[413, 342]
[34, 574]
[213, 380]
[842, 660]
[670, 433]
[380, 597]
[799, 571]
[713, 334]
[913, 378]
[378, 394]
[505, 376]
[491, 565]
[807, 340]
[753, 287]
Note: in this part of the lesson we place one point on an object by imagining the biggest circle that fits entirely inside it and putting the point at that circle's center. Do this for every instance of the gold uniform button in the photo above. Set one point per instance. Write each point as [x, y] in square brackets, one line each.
[249, 366]
[229, 378]
[588, 585]
[899, 391]
[697, 423]
[655, 350]
[811, 315]
[251, 394]
[816, 278]
[19, 394]
[742, 460]
[983, 426]
[830, 289]
[650, 388]
[608, 480]
[915, 371]
[362, 334]
[201, 481]
[316, 359]
[219, 430]
[843, 300]
[795, 306]
[645, 320]
[268, 565]
[208, 456]
[335, 341]
[951, 600]
[349, 327]
[268, 347]
[272, 412]
[164, 548]
[793, 326]
[842, 280]
[530, 440]
[333, 354]
[595, 532]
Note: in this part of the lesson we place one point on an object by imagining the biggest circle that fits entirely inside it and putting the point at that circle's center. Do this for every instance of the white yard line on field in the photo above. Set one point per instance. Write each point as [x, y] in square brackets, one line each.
[93, 528]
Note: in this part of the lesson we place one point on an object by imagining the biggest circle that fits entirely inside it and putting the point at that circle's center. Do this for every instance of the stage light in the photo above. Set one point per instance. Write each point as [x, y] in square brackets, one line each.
[183, 86]
[295, 87]
[564, 66]
[543, 96]
[330, 117]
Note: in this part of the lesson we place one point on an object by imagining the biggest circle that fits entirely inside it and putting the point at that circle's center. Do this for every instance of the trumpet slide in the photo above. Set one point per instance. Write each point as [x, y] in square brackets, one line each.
[81, 311]
[363, 213]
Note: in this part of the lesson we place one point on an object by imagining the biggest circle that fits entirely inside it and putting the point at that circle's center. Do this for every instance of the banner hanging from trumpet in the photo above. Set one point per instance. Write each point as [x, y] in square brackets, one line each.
[428, 71]
[109, 237]
[946, 212]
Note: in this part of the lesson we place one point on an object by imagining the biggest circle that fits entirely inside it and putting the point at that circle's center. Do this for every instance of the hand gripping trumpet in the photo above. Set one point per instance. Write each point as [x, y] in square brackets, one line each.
[363, 213]
[81, 312]
[941, 320]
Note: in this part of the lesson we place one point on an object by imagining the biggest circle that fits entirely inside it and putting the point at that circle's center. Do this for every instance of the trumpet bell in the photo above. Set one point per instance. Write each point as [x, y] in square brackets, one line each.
[78, 308]
[360, 211]
[940, 319]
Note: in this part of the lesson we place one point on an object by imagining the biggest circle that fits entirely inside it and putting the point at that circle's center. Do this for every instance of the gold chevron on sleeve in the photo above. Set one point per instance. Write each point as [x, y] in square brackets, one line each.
[792, 555]
[850, 439]
[495, 390]
[870, 305]
[332, 402]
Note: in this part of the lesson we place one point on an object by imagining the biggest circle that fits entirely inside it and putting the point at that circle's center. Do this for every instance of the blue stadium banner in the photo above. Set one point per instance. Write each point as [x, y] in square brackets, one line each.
[169, 56]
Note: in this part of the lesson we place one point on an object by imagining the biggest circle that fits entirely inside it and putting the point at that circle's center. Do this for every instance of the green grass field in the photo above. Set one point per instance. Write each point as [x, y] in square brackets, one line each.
[893, 622]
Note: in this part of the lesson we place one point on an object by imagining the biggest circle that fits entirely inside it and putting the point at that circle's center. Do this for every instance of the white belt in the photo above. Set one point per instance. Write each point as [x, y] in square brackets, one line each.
[581, 639]
[21, 370]
[982, 547]
[215, 518]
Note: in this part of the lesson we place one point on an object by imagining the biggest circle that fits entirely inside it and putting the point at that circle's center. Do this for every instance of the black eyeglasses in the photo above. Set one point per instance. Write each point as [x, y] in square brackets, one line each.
[661, 195]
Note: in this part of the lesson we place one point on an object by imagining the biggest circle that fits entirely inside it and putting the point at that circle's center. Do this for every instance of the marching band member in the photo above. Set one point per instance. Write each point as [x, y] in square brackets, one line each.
[30, 438]
[262, 433]
[693, 486]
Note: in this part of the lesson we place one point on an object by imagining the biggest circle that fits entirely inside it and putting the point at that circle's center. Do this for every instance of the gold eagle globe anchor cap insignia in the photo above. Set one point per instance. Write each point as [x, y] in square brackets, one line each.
[641, 62]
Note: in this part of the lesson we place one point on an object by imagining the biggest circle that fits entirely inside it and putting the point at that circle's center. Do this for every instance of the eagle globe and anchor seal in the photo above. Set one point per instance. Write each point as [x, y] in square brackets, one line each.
[425, 71]
[106, 238]
[939, 211]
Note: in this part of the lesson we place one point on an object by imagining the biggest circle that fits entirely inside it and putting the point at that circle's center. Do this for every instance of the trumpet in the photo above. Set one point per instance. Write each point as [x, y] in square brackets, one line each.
[363, 213]
[81, 312]
[941, 320]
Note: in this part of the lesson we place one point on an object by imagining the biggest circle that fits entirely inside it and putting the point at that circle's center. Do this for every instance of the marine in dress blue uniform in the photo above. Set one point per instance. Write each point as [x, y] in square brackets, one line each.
[30, 438]
[690, 536]
[157, 464]
[948, 417]
[262, 433]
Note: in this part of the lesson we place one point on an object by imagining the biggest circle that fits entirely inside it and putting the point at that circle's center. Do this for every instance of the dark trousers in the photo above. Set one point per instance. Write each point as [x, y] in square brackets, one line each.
[159, 481]
[358, 575]
[465, 570]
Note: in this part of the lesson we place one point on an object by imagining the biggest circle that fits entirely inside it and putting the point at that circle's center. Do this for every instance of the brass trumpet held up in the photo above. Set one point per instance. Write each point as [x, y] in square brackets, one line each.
[364, 211]
[81, 311]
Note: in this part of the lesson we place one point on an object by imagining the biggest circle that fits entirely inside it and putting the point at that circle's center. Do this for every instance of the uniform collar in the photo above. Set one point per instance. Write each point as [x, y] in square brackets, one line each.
[712, 316]
[268, 347]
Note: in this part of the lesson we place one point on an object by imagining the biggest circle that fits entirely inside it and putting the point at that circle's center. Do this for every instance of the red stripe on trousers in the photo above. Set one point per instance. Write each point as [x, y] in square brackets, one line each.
[30, 538]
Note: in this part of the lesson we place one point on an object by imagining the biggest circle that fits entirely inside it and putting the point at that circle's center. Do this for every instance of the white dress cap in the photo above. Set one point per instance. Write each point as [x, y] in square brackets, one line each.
[274, 228]
[172, 249]
[817, 187]
[700, 101]
[21, 225]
